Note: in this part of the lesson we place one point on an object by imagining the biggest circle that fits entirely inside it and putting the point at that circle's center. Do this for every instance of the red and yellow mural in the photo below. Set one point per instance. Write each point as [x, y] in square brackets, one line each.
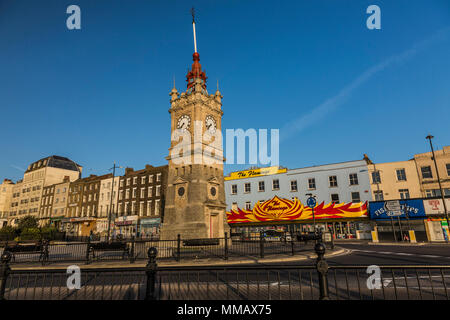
[278, 210]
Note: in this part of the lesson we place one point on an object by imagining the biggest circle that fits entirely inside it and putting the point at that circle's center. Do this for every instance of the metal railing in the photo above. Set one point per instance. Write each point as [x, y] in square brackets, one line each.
[311, 282]
[136, 249]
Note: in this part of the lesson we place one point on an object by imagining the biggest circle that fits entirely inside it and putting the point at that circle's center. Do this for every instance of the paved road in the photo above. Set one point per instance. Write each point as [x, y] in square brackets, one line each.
[368, 254]
[394, 254]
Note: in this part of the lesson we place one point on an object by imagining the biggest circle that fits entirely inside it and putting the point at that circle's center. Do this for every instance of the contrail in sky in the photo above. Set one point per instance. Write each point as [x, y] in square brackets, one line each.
[18, 168]
[332, 103]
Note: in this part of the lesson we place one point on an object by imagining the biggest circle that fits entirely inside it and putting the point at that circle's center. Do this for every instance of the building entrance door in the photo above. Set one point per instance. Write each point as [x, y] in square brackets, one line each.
[214, 225]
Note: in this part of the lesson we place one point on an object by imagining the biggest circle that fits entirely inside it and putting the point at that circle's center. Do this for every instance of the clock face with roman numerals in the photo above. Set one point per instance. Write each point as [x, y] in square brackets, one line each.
[210, 124]
[184, 122]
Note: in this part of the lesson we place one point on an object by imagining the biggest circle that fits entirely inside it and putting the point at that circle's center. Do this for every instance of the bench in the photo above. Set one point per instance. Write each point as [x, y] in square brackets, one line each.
[40, 248]
[309, 237]
[200, 242]
[109, 246]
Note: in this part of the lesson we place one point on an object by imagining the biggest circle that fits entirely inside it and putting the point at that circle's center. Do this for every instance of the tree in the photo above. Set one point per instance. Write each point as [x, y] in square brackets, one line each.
[28, 222]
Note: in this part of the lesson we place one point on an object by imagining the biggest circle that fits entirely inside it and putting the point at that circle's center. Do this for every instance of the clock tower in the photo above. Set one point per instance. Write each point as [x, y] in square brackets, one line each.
[195, 198]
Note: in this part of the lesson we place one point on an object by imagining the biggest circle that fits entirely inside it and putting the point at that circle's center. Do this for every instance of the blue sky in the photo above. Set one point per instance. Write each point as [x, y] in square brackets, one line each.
[312, 69]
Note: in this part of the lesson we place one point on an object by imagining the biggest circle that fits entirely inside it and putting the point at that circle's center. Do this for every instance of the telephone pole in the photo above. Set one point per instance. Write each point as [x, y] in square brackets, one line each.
[111, 199]
[429, 137]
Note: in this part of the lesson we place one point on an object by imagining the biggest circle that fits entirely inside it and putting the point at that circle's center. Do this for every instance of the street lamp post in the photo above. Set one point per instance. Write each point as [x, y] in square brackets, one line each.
[111, 199]
[429, 137]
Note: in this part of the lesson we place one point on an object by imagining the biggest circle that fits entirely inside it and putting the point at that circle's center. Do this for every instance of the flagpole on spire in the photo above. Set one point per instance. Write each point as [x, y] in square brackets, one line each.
[193, 27]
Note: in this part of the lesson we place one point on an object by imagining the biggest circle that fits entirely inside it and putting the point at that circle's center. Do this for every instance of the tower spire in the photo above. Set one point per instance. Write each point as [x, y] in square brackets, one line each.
[193, 28]
[196, 71]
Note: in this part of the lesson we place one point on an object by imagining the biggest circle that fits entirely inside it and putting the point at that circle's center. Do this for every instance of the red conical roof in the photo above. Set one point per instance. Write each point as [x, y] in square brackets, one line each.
[196, 72]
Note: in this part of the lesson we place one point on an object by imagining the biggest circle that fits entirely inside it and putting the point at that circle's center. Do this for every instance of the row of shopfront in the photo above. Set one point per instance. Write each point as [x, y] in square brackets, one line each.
[377, 220]
[125, 226]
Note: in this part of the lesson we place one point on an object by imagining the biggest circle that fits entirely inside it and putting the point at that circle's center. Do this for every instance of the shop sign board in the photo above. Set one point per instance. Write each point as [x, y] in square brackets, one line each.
[385, 210]
[150, 221]
[286, 210]
[435, 206]
[126, 220]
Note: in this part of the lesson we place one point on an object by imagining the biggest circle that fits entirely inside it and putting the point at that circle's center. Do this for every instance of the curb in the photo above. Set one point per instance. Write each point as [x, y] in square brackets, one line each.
[400, 244]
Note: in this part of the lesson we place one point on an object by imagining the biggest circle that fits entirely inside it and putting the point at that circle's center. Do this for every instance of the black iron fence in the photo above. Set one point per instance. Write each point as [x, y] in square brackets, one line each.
[136, 249]
[311, 282]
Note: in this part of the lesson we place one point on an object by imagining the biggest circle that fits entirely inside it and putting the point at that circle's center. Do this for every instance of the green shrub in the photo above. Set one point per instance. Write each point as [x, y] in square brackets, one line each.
[30, 234]
[49, 232]
[8, 233]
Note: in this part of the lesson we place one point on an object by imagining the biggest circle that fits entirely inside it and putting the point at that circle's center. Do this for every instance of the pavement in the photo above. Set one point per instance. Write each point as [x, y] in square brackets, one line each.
[232, 261]
[401, 243]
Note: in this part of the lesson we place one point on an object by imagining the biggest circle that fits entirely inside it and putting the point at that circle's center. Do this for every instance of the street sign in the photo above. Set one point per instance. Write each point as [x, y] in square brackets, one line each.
[311, 202]
[393, 208]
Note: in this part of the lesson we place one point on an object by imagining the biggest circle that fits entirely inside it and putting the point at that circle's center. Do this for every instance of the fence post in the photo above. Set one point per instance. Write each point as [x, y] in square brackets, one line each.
[178, 247]
[332, 241]
[322, 270]
[4, 272]
[132, 257]
[88, 250]
[151, 274]
[261, 244]
[45, 255]
[226, 245]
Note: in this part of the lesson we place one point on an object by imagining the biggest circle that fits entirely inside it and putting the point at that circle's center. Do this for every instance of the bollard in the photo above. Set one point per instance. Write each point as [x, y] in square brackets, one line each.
[322, 270]
[261, 244]
[178, 247]
[151, 274]
[292, 246]
[88, 250]
[226, 246]
[132, 257]
[4, 272]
